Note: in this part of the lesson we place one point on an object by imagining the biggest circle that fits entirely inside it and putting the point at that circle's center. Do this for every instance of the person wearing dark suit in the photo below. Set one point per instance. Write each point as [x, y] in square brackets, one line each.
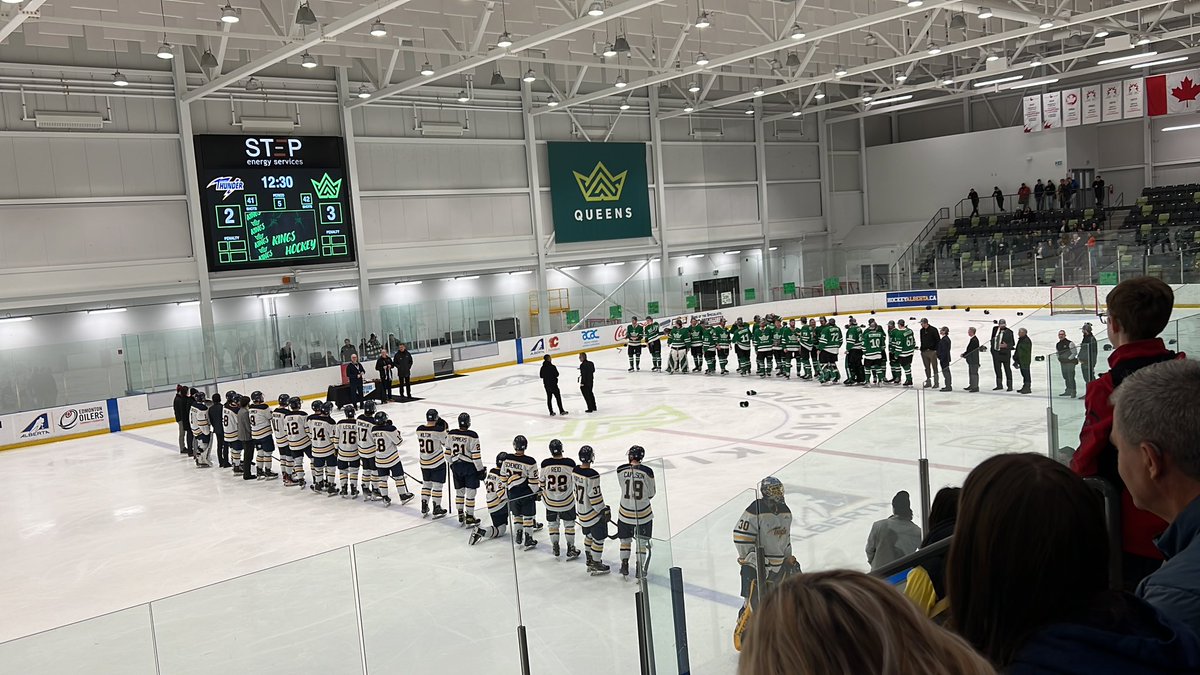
[1023, 359]
[1088, 349]
[587, 375]
[1002, 345]
[383, 366]
[972, 358]
[403, 361]
[943, 357]
[216, 420]
[549, 375]
[355, 372]
[182, 406]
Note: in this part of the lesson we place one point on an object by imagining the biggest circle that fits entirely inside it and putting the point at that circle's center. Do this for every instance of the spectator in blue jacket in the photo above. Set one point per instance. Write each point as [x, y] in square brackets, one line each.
[1027, 579]
[1156, 428]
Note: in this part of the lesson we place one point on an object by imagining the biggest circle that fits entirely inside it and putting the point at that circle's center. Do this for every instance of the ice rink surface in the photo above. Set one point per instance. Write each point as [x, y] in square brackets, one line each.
[95, 525]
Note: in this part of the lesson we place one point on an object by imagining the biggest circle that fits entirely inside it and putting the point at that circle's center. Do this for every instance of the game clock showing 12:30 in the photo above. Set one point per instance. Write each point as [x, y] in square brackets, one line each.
[271, 201]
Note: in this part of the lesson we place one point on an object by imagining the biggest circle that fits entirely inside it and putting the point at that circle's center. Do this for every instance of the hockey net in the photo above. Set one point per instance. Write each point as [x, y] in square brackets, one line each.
[1082, 299]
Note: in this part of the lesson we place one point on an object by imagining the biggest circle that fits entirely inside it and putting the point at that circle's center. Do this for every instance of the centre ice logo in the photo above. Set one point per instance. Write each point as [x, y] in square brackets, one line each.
[601, 185]
[620, 426]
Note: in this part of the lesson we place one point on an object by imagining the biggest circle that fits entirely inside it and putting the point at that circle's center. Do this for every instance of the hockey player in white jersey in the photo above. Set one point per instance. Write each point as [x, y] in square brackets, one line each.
[520, 472]
[558, 494]
[763, 538]
[347, 452]
[324, 449]
[466, 467]
[635, 518]
[260, 432]
[299, 440]
[366, 451]
[495, 488]
[279, 434]
[229, 422]
[387, 459]
[593, 514]
[201, 430]
[431, 448]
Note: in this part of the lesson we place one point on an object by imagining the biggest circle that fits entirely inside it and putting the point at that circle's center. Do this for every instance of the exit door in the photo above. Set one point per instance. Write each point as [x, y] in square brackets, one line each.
[716, 293]
[1085, 198]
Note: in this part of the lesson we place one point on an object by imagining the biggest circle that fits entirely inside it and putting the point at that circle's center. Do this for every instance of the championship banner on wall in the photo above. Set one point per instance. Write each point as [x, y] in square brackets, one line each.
[1111, 109]
[1071, 108]
[1051, 110]
[1134, 99]
[1032, 105]
[1091, 104]
[598, 191]
[1173, 93]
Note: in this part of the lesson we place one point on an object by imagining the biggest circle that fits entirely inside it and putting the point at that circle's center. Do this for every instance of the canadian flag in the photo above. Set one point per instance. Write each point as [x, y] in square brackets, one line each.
[1173, 93]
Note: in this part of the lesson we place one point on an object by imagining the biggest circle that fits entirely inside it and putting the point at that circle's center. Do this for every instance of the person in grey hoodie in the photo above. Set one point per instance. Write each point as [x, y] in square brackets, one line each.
[244, 437]
[894, 537]
[1156, 428]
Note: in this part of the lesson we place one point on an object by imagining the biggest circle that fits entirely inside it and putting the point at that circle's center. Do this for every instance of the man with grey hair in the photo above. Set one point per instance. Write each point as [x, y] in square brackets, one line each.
[1156, 428]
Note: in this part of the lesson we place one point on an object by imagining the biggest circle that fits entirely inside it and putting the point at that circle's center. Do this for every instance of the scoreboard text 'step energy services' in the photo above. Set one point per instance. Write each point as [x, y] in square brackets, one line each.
[274, 201]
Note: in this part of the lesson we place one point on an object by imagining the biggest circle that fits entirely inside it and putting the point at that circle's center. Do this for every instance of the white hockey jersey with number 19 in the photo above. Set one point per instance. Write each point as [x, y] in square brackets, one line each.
[431, 444]
[637, 489]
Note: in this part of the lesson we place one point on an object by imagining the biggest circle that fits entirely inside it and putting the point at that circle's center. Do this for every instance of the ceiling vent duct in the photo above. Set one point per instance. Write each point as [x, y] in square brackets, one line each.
[267, 124]
[442, 129]
[67, 120]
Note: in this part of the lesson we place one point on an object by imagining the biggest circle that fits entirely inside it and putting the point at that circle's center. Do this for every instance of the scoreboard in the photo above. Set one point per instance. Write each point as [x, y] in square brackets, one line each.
[274, 201]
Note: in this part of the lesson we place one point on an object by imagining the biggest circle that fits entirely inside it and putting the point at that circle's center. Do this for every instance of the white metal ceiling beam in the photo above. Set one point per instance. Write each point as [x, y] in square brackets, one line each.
[858, 23]
[968, 45]
[19, 15]
[674, 53]
[582, 23]
[322, 34]
[578, 81]
[481, 31]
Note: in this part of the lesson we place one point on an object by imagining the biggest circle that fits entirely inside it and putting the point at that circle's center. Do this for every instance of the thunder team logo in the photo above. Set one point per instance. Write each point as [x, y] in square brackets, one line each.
[601, 185]
[228, 184]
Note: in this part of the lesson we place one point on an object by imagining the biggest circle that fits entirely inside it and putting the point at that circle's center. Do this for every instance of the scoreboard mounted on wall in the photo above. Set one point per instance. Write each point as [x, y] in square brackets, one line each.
[274, 201]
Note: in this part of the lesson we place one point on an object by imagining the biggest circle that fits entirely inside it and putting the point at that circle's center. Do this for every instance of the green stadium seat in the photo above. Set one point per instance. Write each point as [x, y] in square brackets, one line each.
[1163, 218]
[1147, 209]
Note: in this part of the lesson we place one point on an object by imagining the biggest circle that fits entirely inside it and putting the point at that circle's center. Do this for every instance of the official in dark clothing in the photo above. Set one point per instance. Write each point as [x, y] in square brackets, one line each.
[216, 420]
[1088, 350]
[549, 375]
[943, 357]
[1066, 353]
[974, 197]
[182, 406]
[972, 358]
[587, 375]
[403, 362]
[1023, 359]
[1002, 345]
[246, 438]
[383, 366]
[355, 373]
[929, 349]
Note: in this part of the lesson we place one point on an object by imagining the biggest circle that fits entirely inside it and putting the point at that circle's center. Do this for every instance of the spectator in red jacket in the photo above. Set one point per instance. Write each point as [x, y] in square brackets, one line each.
[1138, 310]
[1023, 197]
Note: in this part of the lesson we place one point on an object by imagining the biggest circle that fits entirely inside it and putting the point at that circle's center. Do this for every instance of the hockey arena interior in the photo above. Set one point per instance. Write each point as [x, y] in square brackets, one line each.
[612, 336]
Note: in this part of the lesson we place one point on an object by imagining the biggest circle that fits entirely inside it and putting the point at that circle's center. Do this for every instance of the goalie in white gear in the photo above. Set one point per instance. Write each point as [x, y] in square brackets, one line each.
[466, 467]
[763, 538]
[558, 494]
[201, 430]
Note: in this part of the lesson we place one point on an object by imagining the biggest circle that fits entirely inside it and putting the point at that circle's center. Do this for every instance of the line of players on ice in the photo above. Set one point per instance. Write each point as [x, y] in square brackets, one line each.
[812, 344]
[365, 449]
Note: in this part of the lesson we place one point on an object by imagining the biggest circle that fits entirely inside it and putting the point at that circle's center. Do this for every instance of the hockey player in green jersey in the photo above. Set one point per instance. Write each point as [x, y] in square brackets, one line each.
[904, 353]
[653, 334]
[893, 353]
[722, 337]
[710, 348]
[696, 343]
[677, 342]
[806, 334]
[740, 336]
[854, 354]
[874, 342]
[785, 335]
[764, 338]
[829, 343]
[635, 337]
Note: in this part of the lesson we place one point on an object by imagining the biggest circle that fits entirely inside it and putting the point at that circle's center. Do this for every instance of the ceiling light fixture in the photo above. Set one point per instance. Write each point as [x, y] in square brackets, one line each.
[900, 77]
[985, 13]
[694, 86]
[307, 60]
[614, 264]
[462, 96]
[947, 81]
[773, 248]
[732, 252]
[891, 99]
[748, 111]
[164, 51]
[1182, 127]
[621, 44]
[552, 101]
[998, 80]
[189, 303]
[252, 84]
[797, 32]
[620, 83]
[992, 57]
[609, 51]
[364, 91]
[688, 109]
[497, 78]
[793, 60]
[797, 113]
[1037, 61]
[840, 71]
[1127, 57]
[1046, 22]
[572, 268]
[1100, 34]
[915, 3]
[304, 15]
[343, 289]
[759, 91]
[1033, 83]
[414, 282]
[819, 95]
[427, 69]
[229, 14]
[1160, 62]
[871, 40]
[701, 59]
[695, 255]
[1141, 40]
[625, 105]
[110, 310]
[868, 98]
[596, 9]
[378, 29]
[208, 59]
[703, 21]
[505, 40]
[520, 273]
[958, 22]
[530, 76]
[118, 79]
[934, 48]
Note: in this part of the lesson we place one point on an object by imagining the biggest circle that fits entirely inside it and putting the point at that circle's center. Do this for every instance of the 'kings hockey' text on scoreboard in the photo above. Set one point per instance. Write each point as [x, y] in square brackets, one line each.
[274, 201]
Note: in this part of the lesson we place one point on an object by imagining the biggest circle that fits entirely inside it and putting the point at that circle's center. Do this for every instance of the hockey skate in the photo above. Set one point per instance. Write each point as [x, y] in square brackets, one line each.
[597, 568]
[460, 519]
[316, 486]
[470, 521]
[424, 509]
[353, 492]
[405, 498]
[530, 543]
[345, 492]
[519, 538]
[557, 551]
[439, 512]
[331, 490]
[475, 536]
[572, 552]
[625, 569]
[387, 501]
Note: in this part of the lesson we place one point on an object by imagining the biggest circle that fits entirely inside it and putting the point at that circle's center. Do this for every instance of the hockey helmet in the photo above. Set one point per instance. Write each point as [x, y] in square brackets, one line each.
[381, 418]
[317, 406]
[368, 406]
[294, 403]
[431, 415]
[200, 397]
[556, 448]
[587, 455]
[283, 400]
[520, 443]
[231, 396]
[637, 453]
[500, 458]
[464, 420]
[348, 411]
[853, 321]
[256, 397]
[326, 407]
[771, 488]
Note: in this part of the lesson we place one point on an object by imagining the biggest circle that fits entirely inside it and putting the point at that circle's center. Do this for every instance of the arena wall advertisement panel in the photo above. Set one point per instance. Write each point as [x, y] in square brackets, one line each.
[911, 298]
[50, 423]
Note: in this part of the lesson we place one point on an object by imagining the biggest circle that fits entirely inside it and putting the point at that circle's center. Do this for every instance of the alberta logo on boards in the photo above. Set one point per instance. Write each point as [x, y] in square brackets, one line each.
[601, 185]
[544, 344]
[38, 427]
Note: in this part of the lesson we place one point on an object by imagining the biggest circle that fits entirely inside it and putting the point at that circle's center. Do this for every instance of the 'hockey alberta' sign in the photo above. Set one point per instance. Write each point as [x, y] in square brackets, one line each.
[912, 298]
[598, 191]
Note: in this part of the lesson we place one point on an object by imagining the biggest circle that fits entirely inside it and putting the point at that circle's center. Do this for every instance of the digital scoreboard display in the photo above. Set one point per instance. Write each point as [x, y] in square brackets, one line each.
[270, 201]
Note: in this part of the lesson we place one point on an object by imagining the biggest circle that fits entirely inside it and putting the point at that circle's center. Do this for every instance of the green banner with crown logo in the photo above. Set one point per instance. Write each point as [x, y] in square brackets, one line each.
[599, 191]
